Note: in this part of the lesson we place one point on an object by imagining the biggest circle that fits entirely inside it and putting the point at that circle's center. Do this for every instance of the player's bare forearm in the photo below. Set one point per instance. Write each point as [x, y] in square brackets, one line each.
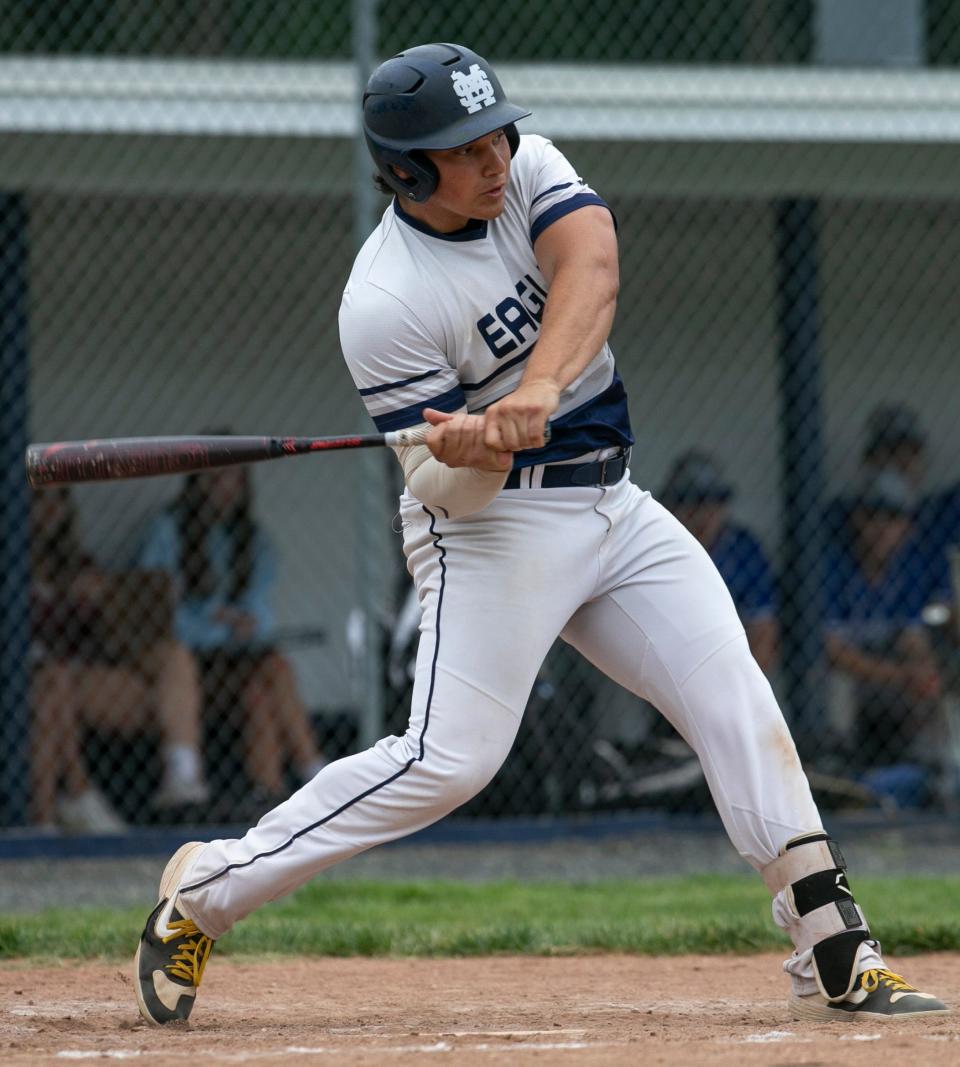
[578, 256]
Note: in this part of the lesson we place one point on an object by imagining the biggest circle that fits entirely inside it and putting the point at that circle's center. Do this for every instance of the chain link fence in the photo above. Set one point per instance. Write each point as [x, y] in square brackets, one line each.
[182, 194]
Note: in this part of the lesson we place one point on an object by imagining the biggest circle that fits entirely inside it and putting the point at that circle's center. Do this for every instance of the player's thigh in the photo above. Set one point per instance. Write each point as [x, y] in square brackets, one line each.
[665, 606]
[469, 661]
[493, 598]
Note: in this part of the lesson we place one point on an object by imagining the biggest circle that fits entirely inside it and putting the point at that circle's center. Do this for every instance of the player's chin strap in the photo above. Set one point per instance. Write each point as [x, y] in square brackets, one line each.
[813, 903]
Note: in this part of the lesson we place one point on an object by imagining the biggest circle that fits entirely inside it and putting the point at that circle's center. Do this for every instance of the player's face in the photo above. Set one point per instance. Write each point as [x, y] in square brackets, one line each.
[472, 185]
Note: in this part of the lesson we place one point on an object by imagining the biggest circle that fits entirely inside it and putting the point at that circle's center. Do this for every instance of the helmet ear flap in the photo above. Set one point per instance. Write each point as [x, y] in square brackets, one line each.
[422, 176]
[426, 173]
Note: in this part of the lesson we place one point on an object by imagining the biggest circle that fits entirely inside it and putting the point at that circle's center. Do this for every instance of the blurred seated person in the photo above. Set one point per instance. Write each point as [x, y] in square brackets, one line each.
[894, 439]
[875, 595]
[938, 523]
[80, 682]
[224, 569]
[62, 796]
[699, 496]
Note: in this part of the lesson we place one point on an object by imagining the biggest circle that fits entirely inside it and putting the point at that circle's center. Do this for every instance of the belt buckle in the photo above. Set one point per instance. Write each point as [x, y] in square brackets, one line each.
[603, 471]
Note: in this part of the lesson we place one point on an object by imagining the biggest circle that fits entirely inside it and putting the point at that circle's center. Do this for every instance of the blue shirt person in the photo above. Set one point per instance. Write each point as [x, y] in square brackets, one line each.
[938, 523]
[699, 495]
[223, 569]
[894, 439]
[213, 610]
[876, 590]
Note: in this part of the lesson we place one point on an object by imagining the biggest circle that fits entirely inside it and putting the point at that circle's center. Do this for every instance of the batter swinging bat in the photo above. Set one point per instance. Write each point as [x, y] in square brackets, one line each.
[65, 462]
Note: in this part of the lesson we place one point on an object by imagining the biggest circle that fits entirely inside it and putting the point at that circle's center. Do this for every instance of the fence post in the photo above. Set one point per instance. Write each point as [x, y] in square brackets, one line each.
[14, 514]
[371, 551]
[802, 462]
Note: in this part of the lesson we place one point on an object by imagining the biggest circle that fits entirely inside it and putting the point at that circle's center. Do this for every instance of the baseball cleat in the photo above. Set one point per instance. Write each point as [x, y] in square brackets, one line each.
[876, 994]
[172, 953]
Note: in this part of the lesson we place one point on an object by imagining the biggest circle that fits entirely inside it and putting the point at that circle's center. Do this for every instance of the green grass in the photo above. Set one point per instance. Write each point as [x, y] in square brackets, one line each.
[651, 916]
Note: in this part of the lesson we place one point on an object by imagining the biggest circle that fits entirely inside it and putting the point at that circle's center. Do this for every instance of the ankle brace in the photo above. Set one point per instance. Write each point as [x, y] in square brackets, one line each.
[813, 903]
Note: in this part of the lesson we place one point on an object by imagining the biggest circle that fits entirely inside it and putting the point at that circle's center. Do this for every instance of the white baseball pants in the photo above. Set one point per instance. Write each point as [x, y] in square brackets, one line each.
[621, 580]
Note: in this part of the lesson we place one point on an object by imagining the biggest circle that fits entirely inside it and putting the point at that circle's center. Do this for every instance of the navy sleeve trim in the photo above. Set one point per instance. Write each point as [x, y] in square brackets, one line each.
[565, 207]
[552, 189]
[397, 385]
[401, 418]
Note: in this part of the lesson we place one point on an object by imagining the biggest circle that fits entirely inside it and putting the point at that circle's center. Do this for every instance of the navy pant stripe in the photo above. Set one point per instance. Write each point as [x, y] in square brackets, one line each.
[380, 785]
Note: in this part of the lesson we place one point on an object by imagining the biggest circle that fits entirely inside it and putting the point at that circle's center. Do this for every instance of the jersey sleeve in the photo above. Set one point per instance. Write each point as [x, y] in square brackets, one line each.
[553, 187]
[397, 367]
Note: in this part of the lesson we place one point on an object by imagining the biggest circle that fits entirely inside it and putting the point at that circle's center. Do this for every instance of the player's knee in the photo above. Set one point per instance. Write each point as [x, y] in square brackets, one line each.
[730, 681]
[457, 777]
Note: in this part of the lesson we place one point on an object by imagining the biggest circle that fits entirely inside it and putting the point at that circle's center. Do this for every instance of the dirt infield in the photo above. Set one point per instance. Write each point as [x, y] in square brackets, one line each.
[607, 1010]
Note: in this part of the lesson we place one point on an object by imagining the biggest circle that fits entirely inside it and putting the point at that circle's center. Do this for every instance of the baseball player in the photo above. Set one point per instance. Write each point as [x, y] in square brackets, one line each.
[481, 305]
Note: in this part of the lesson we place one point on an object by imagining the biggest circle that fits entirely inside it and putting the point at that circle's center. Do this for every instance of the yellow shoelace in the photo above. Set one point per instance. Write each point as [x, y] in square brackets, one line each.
[871, 981]
[192, 953]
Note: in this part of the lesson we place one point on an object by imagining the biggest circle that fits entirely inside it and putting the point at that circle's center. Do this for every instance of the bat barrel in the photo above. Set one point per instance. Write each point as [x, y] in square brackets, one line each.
[69, 462]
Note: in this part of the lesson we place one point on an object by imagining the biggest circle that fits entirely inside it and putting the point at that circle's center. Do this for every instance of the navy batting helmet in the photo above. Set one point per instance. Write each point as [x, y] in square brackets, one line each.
[431, 97]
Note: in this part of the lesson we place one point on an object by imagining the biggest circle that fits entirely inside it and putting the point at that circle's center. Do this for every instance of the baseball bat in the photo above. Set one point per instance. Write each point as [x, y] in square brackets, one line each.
[111, 458]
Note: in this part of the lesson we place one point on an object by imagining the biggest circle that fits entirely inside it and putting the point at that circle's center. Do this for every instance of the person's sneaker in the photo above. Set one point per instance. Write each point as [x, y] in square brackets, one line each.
[89, 812]
[172, 952]
[181, 792]
[877, 994]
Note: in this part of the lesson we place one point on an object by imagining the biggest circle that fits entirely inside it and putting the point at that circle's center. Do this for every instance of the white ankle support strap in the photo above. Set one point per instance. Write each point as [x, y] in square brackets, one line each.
[813, 902]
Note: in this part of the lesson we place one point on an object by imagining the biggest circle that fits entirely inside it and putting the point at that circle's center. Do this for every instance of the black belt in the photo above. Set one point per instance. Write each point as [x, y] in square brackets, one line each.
[564, 475]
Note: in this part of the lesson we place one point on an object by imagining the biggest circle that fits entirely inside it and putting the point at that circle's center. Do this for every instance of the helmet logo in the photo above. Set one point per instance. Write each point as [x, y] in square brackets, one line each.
[473, 88]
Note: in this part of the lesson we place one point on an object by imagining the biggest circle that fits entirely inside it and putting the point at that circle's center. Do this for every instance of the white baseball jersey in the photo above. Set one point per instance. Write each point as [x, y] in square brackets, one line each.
[448, 321]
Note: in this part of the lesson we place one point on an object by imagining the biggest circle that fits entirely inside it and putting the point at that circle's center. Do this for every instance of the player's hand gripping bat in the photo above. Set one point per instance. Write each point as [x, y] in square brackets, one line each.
[112, 458]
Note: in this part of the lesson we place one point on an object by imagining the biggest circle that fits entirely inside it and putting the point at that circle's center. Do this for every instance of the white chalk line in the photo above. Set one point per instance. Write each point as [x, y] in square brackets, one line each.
[444, 1047]
[707, 1008]
[436, 1047]
[777, 1036]
[98, 1054]
[771, 1037]
[509, 1033]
